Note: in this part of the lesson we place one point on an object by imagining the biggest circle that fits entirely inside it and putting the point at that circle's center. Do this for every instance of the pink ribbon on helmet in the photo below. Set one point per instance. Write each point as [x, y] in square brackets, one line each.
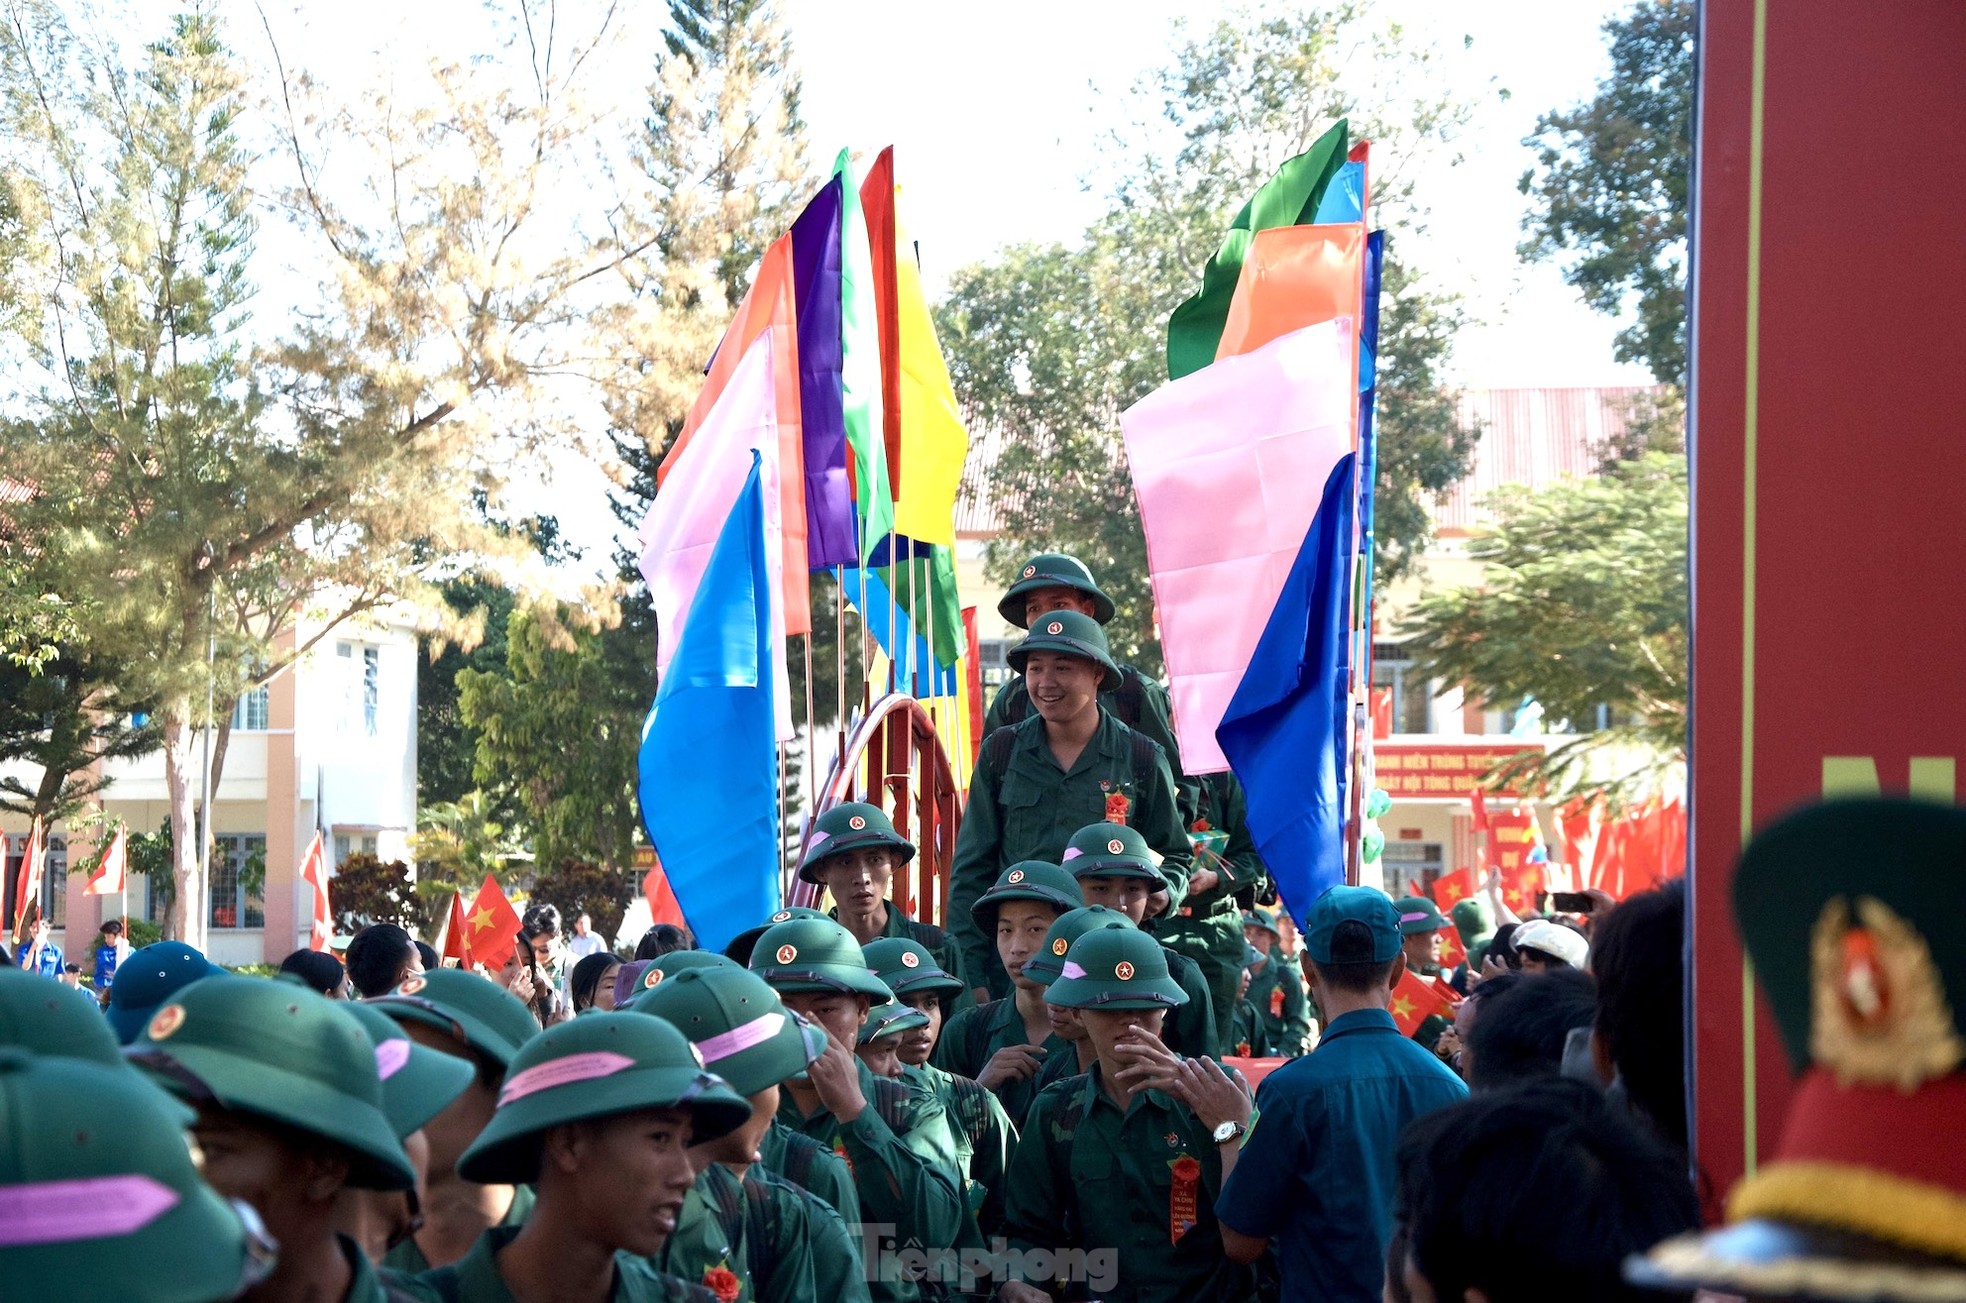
[1412, 918]
[741, 1038]
[92, 1208]
[390, 1056]
[817, 838]
[1071, 853]
[564, 1072]
[1071, 970]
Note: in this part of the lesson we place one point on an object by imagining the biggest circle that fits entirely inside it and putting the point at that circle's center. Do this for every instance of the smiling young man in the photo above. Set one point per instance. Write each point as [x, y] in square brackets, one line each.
[1069, 764]
[854, 852]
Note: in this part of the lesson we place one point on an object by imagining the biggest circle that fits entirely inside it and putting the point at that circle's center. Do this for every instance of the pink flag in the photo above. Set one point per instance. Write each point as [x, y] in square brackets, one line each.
[1227, 463]
[698, 494]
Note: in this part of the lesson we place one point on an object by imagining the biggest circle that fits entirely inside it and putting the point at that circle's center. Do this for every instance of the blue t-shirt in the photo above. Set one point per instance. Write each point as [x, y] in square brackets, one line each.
[105, 967]
[1316, 1174]
[47, 961]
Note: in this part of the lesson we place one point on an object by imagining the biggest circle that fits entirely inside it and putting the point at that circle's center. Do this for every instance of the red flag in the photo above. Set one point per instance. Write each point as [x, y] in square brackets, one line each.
[314, 872]
[973, 687]
[492, 928]
[457, 939]
[1479, 800]
[877, 204]
[27, 887]
[1451, 888]
[1510, 835]
[1382, 714]
[1522, 887]
[1415, 1000]
[663, 905]
[1452, 953]
[1445, 990]
[1580, 823]
[112, 871]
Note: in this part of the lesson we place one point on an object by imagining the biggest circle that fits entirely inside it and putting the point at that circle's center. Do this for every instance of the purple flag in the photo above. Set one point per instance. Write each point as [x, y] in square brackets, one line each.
[832, 537]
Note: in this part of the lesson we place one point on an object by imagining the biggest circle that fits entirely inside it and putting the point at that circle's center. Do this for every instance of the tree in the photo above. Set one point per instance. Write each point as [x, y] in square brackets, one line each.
[64, 718]
[367, 890]
[447, 746]
[1583, 606]
[1048, 344]
[1608, 191]
[576, 887]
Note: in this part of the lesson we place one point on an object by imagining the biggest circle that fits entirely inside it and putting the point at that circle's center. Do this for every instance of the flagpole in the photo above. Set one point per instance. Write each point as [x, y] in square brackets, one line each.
[811, 733]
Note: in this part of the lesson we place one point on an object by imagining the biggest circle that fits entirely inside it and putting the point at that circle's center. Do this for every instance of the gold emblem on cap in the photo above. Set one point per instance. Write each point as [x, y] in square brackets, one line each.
[781, 916]
[1878, 1012]
[1029, 571]
[1123, 971]
[1060, 946]
[651, 977]
[411, 985]
[856, 823]
[909, 959]
[1056, 626]
[168, 1020]
[1015, 875]
[786, 954]
[1116, 846]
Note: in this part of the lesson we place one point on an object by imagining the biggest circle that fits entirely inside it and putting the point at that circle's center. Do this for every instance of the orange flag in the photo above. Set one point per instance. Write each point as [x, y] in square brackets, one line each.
[27, 887]
[663, 905]
[1415, 1000]
[112, 871]
[492, 927]
[314, 872]
[1293, 277]
[1452, 888]
[457, 938]
[877, 204]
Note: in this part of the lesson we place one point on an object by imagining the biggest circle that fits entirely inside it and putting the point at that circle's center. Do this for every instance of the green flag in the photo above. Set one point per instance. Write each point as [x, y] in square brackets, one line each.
[860, 369]
[1289, 198]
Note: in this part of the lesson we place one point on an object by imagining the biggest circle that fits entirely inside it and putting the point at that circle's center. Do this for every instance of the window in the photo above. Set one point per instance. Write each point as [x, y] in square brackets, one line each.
[238, 862]
[347, 844]
[1412, 866]
[249, 716]
[371, 687]
[358, 671]
[1412, 695]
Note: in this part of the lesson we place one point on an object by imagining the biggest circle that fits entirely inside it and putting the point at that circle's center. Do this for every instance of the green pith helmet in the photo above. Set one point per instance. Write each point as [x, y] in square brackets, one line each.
[744, 942]
[664, 967]
[737, 1023]
[417, 1083]
[481, 1013]
[1263, 918]
[849, 827]
[43, 1017]
[1048, 964]
[1252, 957]
[890, 1019]
[288, 1055]
[907, 967]
[1115, 968]
[1474, 922]
[1418, 914]
[108, 1203]
[1038, 880]
[1112, 850]
[616, 1062]
[1070, 633]
[816, 954]
[1052, 570]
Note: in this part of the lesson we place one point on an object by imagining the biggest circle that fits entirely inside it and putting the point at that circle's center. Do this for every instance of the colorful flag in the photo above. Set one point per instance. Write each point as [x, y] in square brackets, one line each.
[919, 667]
[1284, 731]
[112, 873]
[1415, 1000]
[1450, 889]
[832, 533]
[1452, 953]
[491, 928]
[663, 905]
[27, 886]
[1219, 463]
[1290, 197]
[314, 872]
[877, 208]
[1293, 277]
[708, 765]
[457, 934]
[934, 443]
[861, 405]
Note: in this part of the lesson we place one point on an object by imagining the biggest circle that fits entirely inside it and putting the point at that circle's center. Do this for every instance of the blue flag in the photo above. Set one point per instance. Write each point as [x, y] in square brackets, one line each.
[709, 759]
[1284, 730]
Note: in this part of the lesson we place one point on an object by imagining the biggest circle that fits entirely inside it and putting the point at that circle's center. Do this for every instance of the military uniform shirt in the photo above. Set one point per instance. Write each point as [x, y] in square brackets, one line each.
[1012, 705]
[984, 1136]
[837, 1273]
[407, 1258]
[1317, 1173]
[1282, 1024]
[731, 1223]
[1208, 926]
[474, 1278]
[975, 1035]
[798, 1158]
[1029, 809]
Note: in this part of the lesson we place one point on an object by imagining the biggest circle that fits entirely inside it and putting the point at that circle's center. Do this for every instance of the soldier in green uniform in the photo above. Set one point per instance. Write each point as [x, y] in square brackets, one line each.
[854, 852]
[1207, 928]
[1474, 923]
[781, 1242]
[1276, 992]
[982, 1130]
[598, 1115]
[1124, 1163]
[741, 945]
[1003, 1044]
[479, 1021]
[288, 1095]
[1048, 967]
[1245, 1028]
[1116, 869]
[879, 1046]
[1067, 765]
[893, 1134]
[1420, 924]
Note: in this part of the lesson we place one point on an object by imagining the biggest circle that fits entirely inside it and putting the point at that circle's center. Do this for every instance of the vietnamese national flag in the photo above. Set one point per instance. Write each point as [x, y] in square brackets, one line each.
[1523, 886]
[1415, 1000]
[492, 928]
[27, 888]
[457, 937]
[112, 871]
[314, 871]
[1452, 953]
[1451, 889]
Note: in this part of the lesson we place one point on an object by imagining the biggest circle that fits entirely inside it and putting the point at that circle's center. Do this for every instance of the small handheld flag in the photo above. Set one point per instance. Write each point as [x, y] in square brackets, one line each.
[27, 887]
[314, 872]
[457, 936]
[492, 927]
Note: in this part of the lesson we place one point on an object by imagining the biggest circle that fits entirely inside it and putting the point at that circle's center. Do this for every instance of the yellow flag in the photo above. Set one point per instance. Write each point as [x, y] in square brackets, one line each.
[933, 440]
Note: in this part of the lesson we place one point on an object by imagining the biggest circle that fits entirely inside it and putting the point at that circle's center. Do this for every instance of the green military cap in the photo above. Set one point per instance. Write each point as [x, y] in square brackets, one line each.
[1849, 912]
[848, 827]
[907, 966]
[479, 1012]
[1115, 967]
[1052, 570]
[737, 1023]
[1072, 634]
[744, 942]
[1037, 880]
[100, 1197]
[417, 1083]
[1263, 918]
[1252, 957]
[1048, 964]
[616, 1062]
[890, 1019]
[1418, 914]
[815, 954]
[1474, 921]
[284, 1054]
[1112, 850]
[44, 1017]
[667, 966]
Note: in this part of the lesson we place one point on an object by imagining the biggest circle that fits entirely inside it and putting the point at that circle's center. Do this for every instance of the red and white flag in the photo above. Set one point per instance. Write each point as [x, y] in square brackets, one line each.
[457, 935]
[314, 871]
[113, 870]
[27, 888]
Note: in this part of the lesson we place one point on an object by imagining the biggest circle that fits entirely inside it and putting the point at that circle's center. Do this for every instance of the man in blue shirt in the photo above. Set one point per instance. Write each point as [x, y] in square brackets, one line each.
[1321, 1179]
[41, 954]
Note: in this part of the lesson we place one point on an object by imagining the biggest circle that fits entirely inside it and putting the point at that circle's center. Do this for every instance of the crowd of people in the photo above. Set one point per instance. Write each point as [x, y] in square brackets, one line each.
[1051, 1098]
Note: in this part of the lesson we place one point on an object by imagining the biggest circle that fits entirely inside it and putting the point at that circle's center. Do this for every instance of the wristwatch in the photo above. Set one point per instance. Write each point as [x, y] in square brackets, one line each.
[1230, 1130]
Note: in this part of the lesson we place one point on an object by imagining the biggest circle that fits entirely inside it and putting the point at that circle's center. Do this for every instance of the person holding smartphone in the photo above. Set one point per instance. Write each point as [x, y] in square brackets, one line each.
[532, 981]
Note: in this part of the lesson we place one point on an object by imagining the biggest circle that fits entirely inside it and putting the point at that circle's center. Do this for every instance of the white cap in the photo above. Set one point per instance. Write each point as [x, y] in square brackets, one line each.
[1552, 939]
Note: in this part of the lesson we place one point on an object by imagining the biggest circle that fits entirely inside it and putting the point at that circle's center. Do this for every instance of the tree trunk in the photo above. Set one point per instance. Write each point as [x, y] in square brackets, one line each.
[185, 920]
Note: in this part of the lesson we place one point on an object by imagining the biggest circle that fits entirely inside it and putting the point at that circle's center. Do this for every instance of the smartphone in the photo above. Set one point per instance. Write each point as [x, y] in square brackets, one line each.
[1572, 902]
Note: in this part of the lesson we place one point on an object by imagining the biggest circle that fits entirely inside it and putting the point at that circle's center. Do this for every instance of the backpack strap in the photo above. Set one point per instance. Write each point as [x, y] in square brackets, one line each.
[1141, 749]
[1130, 697]
[760, 1233]
[997, 747]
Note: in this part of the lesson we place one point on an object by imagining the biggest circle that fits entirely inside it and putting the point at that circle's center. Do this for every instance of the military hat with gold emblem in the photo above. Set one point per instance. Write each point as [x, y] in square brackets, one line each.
[1073, 635]
[480, 1013]
[1048, 965]
[890, 1019]
[1112, 850]
[417, 1083]
[740, 945]
[907, 966]
[816, 954]
[1258, 916]
[664, 967]
[745, 1034]
[147, 979]
[1037, 880]
[1849, 911]
[1052, 570]
[848, 827]
[1114, 967]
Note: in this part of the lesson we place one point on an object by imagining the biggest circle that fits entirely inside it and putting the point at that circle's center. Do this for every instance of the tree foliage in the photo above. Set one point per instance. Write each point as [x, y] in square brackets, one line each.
[368, 890]
[1583, 605]
[577, 887]
[1608, 192]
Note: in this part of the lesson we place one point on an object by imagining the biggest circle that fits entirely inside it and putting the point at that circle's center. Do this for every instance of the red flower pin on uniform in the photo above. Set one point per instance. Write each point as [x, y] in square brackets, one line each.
[723, 1282]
